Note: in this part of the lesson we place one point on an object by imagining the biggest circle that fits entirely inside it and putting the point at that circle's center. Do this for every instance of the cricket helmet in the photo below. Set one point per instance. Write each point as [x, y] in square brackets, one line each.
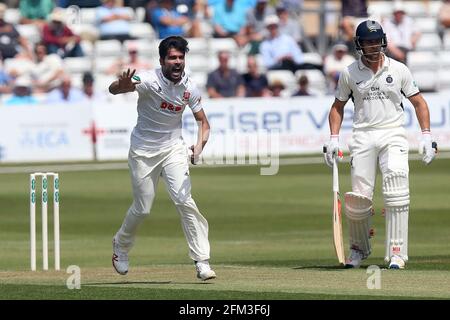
[370, 30]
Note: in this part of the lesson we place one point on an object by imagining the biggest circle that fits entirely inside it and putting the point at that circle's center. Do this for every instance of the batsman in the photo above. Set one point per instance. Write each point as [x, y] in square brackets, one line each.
[376, 84]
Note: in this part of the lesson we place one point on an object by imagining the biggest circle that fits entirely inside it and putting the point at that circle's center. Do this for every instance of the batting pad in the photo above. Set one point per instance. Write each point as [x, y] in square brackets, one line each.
[396, 189]
[397, 232]
[358, 209]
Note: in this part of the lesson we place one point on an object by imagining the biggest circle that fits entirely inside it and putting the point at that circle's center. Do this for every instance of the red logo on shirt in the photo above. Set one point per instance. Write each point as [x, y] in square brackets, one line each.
[171, 107]
[186, 95]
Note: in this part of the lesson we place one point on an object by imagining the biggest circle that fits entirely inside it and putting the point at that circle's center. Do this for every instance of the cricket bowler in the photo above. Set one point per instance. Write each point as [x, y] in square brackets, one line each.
[157, 150]
[376, 85]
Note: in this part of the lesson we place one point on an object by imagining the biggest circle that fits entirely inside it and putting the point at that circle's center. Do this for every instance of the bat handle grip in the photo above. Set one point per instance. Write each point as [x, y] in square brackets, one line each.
[434, 146]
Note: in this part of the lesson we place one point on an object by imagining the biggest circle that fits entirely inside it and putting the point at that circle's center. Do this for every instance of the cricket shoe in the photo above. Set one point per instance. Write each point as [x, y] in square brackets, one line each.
[119, 259]
[354, 260]
[204, 271]
[396, 263]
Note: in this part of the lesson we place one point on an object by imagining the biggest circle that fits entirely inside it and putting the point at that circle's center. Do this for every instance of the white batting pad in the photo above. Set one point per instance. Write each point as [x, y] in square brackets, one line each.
[397, 232]
[358, 210]
[357, 204]
[396, 189]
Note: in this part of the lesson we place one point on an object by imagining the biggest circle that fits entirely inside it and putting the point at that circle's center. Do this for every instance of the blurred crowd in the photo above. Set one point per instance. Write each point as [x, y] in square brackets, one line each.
[271, 34]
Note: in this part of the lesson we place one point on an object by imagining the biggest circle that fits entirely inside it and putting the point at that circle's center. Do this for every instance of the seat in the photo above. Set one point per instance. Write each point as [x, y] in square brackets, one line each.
[380, 8]
[142, 30]
[427, 81]
[420, 60]
[446, 40]
[145, 47]
[313, 58]
[285, 76]
[102, 64]
[227, 44]
[139, 14]
[429, 41]
[29, 31]
[198, 45]
[317, 80]
[200, 79]
[415, 8]
[88, 47]
[12, 16]
[444, 59]
[77, 65]
[105, 48]
[426, 25]
[88, 15]
[196, 62]
[444, 78]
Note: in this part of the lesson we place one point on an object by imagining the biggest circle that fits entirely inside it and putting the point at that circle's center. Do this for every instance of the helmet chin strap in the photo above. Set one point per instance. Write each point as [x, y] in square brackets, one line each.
[367, 55]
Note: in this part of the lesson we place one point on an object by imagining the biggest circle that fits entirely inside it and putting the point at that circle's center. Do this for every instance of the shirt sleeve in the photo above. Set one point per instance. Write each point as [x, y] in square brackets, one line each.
[343, 90]
[195, 100]
[409, 85]
[146, 81]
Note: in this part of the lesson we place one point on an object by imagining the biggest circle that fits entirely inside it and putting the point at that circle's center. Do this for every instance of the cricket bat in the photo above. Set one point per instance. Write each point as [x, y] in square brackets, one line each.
[337, 216]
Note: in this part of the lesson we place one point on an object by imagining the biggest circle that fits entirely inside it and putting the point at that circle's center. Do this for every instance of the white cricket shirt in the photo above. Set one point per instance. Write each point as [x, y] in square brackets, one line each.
[377, 97]
[160, 107]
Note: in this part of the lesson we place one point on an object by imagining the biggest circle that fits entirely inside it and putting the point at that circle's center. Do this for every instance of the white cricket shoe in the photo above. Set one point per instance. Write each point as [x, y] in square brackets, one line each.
[396, 263]
[354, 259]
[204, 271]
[119, 259]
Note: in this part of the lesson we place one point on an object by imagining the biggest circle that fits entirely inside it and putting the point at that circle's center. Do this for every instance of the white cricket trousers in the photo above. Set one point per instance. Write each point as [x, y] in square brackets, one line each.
[388, 149]
[172, 165]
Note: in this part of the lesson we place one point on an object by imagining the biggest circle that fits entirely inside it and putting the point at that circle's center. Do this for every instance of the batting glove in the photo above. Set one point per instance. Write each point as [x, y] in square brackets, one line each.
[331, 150]
[427, 147]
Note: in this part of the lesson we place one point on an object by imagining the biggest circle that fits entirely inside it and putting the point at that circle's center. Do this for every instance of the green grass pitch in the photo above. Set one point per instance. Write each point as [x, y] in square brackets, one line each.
[271, 238]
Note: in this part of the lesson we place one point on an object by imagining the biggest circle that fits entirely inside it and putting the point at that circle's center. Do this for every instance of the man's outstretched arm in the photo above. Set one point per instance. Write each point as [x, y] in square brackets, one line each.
[125, 83]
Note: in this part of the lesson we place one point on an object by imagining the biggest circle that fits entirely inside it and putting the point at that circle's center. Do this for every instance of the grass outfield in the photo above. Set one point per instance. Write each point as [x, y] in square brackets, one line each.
[271, 238]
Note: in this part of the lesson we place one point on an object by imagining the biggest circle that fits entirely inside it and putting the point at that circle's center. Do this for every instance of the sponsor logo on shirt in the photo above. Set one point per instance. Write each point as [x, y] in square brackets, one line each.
[168, 106]
[186, 95]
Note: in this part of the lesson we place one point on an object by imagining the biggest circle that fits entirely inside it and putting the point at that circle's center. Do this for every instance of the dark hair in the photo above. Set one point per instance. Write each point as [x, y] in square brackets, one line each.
[88, 77]
[175, 42]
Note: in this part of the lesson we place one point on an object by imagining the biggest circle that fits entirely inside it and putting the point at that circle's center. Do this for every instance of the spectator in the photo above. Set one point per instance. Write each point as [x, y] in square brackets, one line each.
[132, 62]
[35, 11]
[88, 88]
[79, 3]
[444, 17]
[288, 25]
[10, 39]
[292, 6]
[229, 21]
[47, 71]
[353, 12]
[65, 93]
[168, 21]
[256, 84]
[402, 35]
[58, 37]
[280, 51]
[225, 82]
[255, 29]
[21, 65]
[193, 9]
[335, 62]
[6, 81]
[22, 93]
[113, 21]
[277, 88]
[303, 87]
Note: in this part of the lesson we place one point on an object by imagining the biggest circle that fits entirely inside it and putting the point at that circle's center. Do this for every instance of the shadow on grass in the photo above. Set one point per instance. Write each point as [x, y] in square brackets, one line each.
[141, 282]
